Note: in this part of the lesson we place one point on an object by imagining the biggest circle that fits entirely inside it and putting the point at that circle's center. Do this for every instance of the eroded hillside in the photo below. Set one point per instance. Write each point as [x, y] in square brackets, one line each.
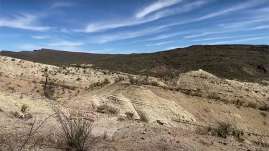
[131, 112]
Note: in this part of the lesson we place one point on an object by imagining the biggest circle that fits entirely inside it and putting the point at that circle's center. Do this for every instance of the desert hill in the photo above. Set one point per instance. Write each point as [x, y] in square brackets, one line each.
[241, 62]
[194, 110]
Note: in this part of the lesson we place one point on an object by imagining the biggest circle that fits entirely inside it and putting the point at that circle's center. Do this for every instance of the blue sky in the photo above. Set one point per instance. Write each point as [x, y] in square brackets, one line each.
[130, 26]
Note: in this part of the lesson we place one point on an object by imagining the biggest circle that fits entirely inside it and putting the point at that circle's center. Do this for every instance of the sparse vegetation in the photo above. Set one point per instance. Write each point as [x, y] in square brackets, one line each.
[119, 79]
[264, 107]
[129, 115]
[214, 96]
[105, 108]
[264, 114]
[226, 129]
[143, 80]
[99, 84]
[24, 108]
[143, 116]
[76, 132]
[167, 64]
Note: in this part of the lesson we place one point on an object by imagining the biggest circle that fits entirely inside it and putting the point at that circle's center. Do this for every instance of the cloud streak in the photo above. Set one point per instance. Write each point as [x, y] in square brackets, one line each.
[134, 20]
[126, 35]
[62, 4]
[156, 6]
[249, 39]
[24, 21]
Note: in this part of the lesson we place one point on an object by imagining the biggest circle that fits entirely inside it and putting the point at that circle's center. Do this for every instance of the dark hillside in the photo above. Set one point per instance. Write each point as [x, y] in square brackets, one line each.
[242, 62]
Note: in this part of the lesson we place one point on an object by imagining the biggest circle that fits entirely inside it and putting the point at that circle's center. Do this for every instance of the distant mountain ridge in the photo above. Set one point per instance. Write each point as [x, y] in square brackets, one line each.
[242, 62]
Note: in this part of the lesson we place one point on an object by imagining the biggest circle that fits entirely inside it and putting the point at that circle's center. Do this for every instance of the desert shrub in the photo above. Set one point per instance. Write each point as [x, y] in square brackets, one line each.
[143, 116]
[223, 130]
[169, 76]
[226, 129]
[252, 105]
[106, 81]
[119, 79]
[129, 115]
[239, 103]
[99, 84]
[20, 115]
[133, 80]
[76, 132]
[214, 96]
[264, 114]
[142, 81]
[264, 107]
[1, 110]
[107, 109]
[154, 83]
[24, 108]
[49, 91]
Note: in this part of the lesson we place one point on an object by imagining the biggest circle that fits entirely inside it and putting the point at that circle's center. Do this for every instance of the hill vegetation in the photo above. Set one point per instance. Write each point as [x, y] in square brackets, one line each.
[241, 62]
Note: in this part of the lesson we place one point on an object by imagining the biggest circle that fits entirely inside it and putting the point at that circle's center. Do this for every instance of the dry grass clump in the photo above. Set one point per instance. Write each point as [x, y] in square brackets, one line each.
[143, 116]
[226, 129]
[76, 132]
[214, 96]
[222, 130]
[105, 108]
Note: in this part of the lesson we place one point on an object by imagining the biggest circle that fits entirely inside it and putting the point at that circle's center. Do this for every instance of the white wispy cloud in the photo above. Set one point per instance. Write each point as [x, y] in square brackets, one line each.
[214, 38]
[241, 6]
[166, 36]
[234, 41]
[40, 37]
[160, 43]
[65, 44]
[126, 35]
[226, 11]
[245, 23]
[219, 31]
[156, 6]
[96, 27]
[62, 4]
[134, 20]
[260, 27]
[181, 9]
[58, 45]
[203, 34]
[24, 21]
